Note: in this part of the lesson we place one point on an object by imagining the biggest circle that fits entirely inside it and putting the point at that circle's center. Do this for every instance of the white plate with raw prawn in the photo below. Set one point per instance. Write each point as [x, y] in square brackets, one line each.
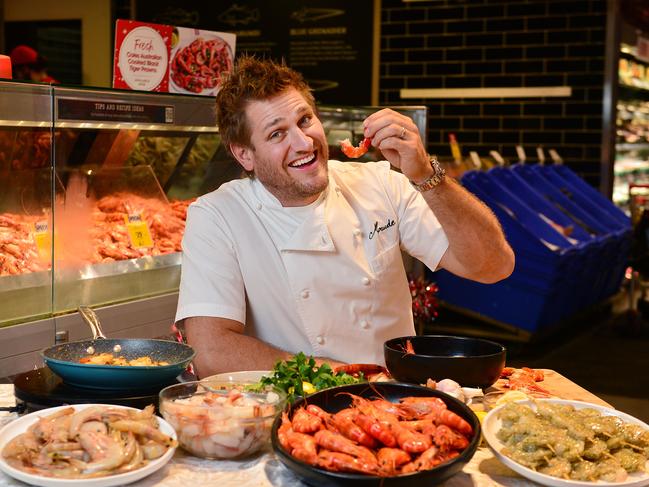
[492, 424]
[241, 375]
[19, 426]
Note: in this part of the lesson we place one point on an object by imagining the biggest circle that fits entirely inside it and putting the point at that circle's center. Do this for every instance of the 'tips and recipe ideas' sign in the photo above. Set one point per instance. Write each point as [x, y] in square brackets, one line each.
[164, 58]
[104, 111]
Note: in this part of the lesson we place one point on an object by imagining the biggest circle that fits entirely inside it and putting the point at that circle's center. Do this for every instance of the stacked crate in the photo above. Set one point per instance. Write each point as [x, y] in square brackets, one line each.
[571, 247]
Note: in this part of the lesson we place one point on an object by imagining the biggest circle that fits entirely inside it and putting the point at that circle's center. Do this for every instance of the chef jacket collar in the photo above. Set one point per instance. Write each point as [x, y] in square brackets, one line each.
[313, 234]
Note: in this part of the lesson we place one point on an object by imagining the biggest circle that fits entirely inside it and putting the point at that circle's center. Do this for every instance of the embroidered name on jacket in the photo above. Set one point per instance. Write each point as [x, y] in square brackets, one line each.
[378, 229]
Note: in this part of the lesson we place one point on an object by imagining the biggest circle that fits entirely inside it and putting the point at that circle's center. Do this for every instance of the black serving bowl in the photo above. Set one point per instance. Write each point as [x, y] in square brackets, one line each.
[471, 362]
[337, 398]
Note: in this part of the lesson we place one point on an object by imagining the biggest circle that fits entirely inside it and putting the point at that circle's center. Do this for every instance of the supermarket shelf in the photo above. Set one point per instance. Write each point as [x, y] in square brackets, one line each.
[636, 89]
[499, 92]
[628, 146]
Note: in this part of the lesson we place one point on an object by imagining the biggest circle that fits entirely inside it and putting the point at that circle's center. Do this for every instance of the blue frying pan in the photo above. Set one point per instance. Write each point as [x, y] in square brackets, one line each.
[63, 360]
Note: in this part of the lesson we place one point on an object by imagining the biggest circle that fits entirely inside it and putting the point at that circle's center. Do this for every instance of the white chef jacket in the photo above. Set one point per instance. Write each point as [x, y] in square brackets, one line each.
[327, 279]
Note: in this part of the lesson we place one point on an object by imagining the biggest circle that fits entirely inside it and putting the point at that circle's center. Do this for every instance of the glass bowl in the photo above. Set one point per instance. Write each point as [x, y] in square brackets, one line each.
[221, 419]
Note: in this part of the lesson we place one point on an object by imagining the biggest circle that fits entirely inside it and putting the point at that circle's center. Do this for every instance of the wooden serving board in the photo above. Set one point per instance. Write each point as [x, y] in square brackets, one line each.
[559, 386]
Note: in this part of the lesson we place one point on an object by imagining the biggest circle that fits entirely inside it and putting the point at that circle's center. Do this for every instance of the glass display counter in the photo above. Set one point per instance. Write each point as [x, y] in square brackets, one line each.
[26, 199]
[96, 185]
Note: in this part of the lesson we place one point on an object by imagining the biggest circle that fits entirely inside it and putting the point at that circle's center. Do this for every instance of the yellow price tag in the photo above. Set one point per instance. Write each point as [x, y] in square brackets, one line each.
[43, 240]
[138, 232]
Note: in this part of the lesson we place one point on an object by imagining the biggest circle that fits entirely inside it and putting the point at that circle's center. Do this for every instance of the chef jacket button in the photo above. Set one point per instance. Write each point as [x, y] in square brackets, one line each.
[259, 206]
[305, 294]
[366, 281]
[357, 232]
[365, 324]
[320, 339]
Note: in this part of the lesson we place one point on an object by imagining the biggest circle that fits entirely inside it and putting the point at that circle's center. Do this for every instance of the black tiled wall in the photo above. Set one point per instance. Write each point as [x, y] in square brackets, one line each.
[492, 43]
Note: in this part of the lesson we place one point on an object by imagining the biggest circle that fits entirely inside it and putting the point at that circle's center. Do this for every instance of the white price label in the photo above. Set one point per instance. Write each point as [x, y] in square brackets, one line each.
[521, 153]
[475, 158]
[497, 157]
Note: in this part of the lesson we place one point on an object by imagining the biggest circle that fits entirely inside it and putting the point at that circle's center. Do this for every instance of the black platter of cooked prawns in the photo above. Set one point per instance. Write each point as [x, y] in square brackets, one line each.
[376, 434]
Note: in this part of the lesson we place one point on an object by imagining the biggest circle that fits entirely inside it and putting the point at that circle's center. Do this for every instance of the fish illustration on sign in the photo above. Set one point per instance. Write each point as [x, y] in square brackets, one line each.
[322, 84]
[307, 14]
[239, 14]
[177, 16]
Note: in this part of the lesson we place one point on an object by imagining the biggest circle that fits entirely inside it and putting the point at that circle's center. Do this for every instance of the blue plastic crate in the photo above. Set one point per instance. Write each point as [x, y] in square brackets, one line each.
[613, 218]
[524, 307]
[556, 197]
[593, 254]
[572, 179]
[598, 206]
[556, 273]
[541, 269]
[528, 193]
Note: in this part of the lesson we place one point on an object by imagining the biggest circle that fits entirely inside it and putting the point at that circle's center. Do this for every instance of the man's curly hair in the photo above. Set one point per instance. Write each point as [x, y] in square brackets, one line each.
[252, 79]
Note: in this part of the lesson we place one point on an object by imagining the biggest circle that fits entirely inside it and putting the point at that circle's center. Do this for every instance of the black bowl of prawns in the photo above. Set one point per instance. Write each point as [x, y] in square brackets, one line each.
[340, 398]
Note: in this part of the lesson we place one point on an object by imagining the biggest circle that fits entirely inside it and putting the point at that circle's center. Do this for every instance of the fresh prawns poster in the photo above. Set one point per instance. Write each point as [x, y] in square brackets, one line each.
[164, 58]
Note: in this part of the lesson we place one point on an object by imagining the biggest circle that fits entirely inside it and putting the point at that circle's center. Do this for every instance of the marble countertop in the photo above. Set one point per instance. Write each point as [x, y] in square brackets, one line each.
[265, 469]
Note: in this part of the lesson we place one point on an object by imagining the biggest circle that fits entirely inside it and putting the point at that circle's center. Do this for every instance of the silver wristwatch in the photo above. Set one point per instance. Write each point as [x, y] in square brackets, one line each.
[437, 177]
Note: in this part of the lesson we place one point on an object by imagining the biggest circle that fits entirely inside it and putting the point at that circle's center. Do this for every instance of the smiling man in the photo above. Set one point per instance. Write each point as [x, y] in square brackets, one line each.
[305, 254]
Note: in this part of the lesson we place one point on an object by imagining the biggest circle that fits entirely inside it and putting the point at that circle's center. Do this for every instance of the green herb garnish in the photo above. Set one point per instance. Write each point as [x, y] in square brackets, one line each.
[292, 375]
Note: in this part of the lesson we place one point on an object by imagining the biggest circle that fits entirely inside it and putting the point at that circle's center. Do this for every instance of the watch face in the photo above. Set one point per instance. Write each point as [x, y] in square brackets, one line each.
[438, 175]
[438, 167]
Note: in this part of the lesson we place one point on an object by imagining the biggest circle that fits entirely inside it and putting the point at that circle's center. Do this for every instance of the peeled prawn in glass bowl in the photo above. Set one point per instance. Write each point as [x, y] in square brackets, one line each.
[221, 419]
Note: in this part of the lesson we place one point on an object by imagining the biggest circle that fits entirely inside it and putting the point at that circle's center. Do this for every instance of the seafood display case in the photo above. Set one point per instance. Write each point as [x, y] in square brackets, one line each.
[26, 199]
[96, 185]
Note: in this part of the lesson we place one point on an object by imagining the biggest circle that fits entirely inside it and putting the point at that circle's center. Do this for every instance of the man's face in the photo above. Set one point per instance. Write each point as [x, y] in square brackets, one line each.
[288, 152]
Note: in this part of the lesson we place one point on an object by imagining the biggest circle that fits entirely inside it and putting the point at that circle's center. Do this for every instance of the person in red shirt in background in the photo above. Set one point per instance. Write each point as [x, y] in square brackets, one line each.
[28, 65]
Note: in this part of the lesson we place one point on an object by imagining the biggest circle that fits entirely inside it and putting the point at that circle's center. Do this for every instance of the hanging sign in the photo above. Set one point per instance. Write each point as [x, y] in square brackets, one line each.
[164, 58]
[333, 43]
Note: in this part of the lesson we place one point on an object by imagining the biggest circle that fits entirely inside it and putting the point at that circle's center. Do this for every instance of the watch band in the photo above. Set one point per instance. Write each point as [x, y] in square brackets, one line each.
[437, 177]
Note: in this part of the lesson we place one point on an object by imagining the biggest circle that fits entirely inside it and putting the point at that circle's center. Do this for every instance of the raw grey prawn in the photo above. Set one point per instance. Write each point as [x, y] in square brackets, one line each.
[226, 423]
[355, 152]
[82, 442]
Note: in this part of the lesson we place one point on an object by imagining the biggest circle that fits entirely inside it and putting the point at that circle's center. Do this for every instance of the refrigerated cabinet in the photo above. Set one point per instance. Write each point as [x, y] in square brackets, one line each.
[95, 189]
[96, 184]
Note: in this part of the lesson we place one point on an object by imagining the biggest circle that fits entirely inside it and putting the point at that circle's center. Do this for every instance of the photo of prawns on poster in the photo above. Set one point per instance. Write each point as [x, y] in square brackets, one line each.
[164, 58]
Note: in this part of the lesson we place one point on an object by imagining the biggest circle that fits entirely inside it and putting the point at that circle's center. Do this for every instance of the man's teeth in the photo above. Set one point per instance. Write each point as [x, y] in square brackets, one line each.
[302, 162]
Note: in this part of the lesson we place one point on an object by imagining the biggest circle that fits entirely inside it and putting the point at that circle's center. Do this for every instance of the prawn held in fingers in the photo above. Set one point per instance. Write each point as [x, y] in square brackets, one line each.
[355, 152]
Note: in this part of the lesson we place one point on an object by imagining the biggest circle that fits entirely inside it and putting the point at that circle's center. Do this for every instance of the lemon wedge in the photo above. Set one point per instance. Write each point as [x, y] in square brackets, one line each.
[511, 396]
[308, 388]
[481, 415]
